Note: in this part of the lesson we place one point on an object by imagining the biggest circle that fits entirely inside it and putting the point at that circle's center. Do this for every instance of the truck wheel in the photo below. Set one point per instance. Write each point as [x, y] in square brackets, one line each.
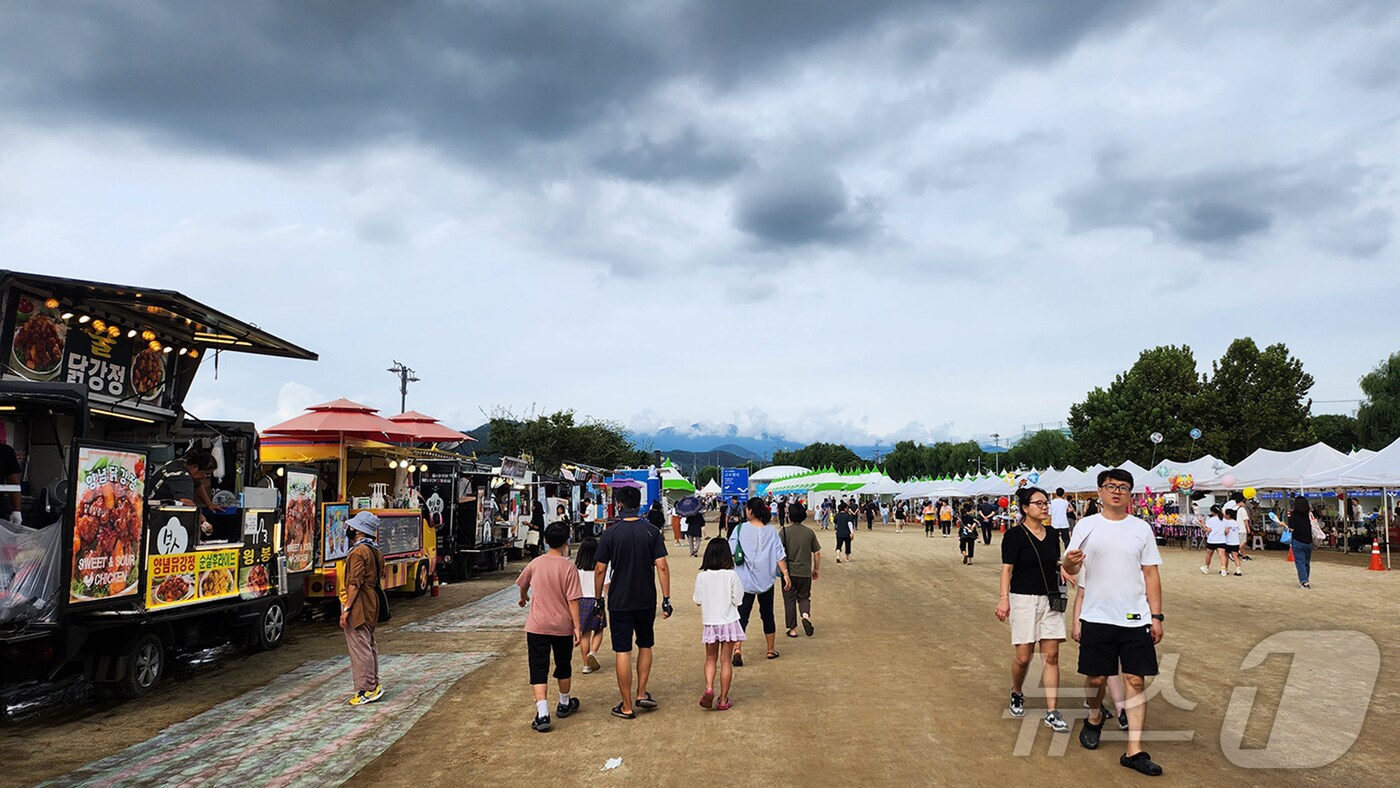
[271, 626]
[421, 580]
[145, 667]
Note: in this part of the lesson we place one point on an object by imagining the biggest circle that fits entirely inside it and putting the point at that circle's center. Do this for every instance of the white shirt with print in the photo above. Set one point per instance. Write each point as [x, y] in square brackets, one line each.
[1115, 551]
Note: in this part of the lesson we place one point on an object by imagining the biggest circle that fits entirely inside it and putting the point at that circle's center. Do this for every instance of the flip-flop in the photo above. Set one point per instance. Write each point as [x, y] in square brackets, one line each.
[707, 700]
[773, 655]
[626, 715]
[645, 702]
[807, 626]
[723, 705]
[791, 634]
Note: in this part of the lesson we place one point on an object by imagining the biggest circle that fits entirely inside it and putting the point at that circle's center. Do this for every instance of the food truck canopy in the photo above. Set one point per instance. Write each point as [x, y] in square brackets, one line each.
[165, 311]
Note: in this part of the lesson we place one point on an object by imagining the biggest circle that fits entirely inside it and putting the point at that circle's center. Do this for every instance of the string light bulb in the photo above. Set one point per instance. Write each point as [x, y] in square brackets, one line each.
[148, 335]
[167, 349]
[393, 464]
[131, 333]
[99, 326]
[52, 303]
[194, 353]
[184, 350]
[113, 332]
[153, 345]
[84, 319]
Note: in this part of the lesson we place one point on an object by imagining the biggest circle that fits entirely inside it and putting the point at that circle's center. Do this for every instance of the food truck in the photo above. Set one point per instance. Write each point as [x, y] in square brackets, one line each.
[453, 490]
[123, 553]
[354, 474]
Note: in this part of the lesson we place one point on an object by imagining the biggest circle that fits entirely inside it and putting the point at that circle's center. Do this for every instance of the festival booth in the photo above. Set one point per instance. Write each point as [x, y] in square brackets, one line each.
[1374, 476]
[359, 461]
[121, 556]
[761, 480]
[711, 489]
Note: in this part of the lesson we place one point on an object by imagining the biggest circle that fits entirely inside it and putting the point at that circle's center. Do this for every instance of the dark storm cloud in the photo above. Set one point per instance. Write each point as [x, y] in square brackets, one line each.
[802, 206]
[685, 156]
[266, 78]
[1224, 206]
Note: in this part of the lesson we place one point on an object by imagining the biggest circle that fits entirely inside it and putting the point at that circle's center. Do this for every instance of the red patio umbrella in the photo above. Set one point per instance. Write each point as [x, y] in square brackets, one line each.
[346, 419]
[426, 429]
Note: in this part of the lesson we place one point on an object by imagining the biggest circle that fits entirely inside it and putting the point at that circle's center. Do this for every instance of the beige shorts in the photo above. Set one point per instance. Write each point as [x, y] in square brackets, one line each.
[1032, 620]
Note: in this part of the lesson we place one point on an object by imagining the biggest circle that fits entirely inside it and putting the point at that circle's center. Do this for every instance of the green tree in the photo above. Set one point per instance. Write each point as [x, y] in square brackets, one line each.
[1257, 399]
[1378, 418]
[1043, 449]
[819, 455]
[706, 474]
[1337, 431]
[561, 437]
[1161, 392]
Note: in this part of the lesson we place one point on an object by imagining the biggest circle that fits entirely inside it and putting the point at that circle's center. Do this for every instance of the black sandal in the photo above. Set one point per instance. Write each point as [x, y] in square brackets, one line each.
[1142, 762]
[626, 715]
[772, 655]
[645, 702]
[738, 660]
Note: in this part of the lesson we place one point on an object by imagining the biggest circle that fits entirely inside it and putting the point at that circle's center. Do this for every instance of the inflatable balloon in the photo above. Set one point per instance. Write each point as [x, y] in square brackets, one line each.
[1003, 502]
[1228, 480]
[1035, 478]
[1249, 493]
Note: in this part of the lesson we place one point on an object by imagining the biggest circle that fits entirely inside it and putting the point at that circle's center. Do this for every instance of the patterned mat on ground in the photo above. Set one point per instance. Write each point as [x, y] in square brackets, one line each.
[296, 731]
[500, 610]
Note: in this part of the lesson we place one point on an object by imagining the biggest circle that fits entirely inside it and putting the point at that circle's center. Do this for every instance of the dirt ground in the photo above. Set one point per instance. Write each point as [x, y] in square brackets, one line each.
[905, 682]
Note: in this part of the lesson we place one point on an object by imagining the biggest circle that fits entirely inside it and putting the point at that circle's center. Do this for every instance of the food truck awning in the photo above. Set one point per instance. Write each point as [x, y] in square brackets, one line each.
[167, 312]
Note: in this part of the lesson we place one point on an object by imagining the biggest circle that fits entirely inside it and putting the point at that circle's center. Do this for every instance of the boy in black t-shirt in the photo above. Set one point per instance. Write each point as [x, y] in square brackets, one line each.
[967, 533]
[845, 526]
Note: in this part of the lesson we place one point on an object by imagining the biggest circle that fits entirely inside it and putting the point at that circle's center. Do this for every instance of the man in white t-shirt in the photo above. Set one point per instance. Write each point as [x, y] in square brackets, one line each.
[1245, 526]
[1121, 619]
[1059, 514]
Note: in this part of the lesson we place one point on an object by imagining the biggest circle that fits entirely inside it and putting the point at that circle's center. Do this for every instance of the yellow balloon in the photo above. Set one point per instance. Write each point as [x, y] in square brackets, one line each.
[1249, 493]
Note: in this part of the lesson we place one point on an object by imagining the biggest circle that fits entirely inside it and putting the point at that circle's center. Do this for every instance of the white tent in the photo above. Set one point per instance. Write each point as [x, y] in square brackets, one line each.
[1284, 469]
[773, 472]
[711, 488]
[1204, 471]
[1380, 469]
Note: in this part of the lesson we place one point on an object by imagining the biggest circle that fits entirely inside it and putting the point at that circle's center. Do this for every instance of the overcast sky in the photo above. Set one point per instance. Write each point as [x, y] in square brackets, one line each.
[829, 220]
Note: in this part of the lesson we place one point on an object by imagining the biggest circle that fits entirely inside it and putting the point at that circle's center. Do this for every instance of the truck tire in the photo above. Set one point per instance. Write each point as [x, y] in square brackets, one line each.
[421, 579]
[144, 668]
[271, 627]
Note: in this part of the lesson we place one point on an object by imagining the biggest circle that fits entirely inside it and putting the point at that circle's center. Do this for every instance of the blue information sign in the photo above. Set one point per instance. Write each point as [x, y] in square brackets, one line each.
[734, 482]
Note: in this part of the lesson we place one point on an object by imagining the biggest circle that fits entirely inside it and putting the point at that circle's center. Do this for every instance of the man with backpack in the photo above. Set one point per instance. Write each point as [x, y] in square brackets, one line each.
[362, 570]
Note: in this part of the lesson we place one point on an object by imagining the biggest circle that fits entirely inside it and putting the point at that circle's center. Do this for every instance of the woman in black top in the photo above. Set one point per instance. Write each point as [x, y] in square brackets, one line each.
[1300, 524]
[1030, 578]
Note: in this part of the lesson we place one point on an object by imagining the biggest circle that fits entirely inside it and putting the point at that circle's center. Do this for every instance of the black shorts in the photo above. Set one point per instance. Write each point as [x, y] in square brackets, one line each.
[538, 648]
[626, 623]
[1104, 647]
[1231, 548]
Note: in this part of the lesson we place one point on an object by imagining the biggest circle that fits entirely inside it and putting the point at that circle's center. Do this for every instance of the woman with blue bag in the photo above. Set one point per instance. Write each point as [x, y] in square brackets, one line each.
[759, 560]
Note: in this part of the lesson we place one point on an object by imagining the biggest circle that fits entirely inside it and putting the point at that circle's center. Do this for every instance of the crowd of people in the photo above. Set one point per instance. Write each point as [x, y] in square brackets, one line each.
[1104, 556]
[611, 583]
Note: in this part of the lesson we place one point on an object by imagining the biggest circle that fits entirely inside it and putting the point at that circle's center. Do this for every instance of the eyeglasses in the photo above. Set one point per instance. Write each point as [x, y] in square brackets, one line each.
[1121, 489]
[1037, 503]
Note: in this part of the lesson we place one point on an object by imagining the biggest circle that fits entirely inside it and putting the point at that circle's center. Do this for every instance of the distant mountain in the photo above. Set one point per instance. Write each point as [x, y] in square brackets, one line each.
[670, 440]
[691, 461]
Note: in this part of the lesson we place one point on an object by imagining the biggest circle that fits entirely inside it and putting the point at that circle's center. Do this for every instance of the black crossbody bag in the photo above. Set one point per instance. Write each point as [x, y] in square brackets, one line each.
[1058, 602]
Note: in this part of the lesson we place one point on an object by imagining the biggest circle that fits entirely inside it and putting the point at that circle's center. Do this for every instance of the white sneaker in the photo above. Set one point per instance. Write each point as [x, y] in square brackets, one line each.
[1223, 573]
[1205, 570]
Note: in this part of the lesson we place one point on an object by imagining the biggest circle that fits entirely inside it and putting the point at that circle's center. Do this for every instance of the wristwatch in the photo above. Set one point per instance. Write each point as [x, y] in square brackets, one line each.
[1160, 617]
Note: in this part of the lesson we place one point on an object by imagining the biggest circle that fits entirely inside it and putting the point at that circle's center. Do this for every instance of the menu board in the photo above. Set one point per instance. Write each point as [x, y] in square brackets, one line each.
[335, 542]
[255, 562]
[107, 523]
[300, 521]
[192, 577]
[97, 356]
[400, 533]
[438, 487]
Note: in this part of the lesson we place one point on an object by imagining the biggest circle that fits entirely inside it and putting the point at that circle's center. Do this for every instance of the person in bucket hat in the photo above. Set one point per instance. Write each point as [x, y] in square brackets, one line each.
[362, 570]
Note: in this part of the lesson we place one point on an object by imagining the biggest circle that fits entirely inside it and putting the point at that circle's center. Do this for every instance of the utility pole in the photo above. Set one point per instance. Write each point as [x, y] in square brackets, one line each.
[996, 441]
[406, 376]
